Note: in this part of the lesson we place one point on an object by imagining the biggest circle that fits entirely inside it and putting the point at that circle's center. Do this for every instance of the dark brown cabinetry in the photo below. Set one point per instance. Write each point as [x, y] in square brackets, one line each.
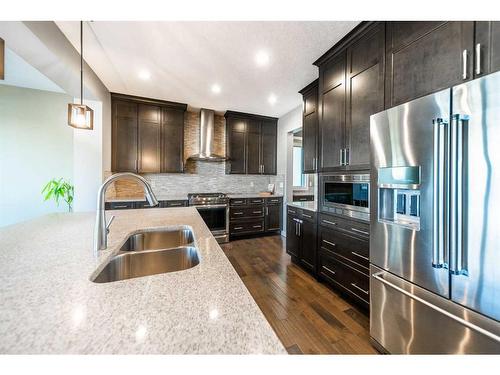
[487, 48]
[424, 57]
[251, 143]
[310, 127]
[147, 135]
[343, 261]
[117, 205]
[351, 89]
[301, 237]
[249, 216]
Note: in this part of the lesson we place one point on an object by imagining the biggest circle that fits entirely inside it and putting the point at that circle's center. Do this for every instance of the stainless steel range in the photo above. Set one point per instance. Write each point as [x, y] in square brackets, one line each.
[214, 209]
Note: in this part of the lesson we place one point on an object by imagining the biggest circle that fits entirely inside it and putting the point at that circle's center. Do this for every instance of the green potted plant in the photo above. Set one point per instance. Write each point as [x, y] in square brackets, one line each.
[59, 189]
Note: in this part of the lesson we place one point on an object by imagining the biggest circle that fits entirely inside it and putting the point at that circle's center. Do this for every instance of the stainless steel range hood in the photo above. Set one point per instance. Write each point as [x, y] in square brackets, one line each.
[206, 152]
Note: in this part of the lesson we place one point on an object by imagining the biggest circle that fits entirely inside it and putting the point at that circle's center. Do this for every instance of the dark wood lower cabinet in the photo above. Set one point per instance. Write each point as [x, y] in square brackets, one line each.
[301, 237]
[250, 216]
[343, 256]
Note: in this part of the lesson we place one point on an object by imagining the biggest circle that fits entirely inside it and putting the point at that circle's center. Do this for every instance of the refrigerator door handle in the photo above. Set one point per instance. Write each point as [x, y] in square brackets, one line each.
[379, 277]
[440, 245]
[458, 150]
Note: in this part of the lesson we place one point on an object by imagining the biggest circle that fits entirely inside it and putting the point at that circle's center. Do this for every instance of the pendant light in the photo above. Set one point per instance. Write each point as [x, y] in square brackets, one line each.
[80, 116]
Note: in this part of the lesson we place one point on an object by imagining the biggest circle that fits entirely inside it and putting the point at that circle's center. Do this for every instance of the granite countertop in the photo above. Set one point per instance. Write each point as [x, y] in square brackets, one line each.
[49, 304]
[252, 195]
[142, 198]
[309, 205]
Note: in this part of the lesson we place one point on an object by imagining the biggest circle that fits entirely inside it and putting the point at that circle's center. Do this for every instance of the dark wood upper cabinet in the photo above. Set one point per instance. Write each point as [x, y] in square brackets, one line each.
[310, 127]
[149, 139]
[172, 138]
[124, 136]
[236, 149]
[425, 57]
[147, 135]
[268, 147]
[487, 48]
[332, 90]
[365, 92]
[251, 143]
[254, 140]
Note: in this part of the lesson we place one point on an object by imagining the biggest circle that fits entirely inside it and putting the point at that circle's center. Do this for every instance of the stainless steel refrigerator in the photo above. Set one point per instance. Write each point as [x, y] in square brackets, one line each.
[435, 222]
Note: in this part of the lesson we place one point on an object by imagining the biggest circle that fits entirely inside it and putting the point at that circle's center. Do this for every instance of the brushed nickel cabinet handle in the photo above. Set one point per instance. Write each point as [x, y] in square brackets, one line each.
[237, 213]
[359, 255]
[360, 289]
[464, 62]
[238, 228]
[329, 270]
[329, 243]
[256, 212]
[308, 216]
[360, 231]
[257, 226]
[478, 58]
[329, 222]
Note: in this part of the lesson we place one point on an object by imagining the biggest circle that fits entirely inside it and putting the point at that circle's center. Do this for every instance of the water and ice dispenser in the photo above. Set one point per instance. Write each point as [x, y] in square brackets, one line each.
[399, 196]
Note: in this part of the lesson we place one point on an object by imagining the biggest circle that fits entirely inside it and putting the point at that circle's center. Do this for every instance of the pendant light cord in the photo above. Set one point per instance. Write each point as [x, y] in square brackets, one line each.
[81, 62]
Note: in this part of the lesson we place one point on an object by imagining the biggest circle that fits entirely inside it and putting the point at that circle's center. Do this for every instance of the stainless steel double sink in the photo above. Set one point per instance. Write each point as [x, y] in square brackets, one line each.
[149, 253]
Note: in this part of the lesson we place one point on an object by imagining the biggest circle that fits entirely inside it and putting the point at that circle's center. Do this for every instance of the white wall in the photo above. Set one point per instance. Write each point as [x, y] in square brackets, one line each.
[36, 145]
[87, 161]
[286, 123]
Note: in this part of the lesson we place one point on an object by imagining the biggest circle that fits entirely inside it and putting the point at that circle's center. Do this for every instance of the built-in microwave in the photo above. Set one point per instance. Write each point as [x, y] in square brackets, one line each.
[346, 194]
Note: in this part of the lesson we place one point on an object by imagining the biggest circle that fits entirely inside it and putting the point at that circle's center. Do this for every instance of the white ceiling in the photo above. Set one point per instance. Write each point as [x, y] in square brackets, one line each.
[186, 58]
[21, 74]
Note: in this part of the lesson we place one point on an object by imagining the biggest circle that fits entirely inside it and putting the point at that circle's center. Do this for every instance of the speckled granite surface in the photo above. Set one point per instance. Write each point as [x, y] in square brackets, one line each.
[310, 205]
[49, 305]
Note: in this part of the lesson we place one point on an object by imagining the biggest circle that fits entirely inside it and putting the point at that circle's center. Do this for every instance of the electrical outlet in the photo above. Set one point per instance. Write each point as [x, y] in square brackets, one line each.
[281, 184]
[251, 184]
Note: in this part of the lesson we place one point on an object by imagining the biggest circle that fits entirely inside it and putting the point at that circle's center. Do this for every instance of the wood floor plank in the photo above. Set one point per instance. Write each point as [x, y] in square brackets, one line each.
[307, 316]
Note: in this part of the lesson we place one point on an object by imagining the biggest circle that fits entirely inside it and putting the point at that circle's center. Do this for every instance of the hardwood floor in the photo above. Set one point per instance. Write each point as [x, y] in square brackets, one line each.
[307, 316]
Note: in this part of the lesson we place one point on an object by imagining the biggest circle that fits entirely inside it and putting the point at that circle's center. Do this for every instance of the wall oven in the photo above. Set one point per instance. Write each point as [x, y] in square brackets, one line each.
[346, 194]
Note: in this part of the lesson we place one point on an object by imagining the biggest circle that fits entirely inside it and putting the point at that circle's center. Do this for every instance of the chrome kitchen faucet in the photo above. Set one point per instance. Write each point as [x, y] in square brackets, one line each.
[101, 228]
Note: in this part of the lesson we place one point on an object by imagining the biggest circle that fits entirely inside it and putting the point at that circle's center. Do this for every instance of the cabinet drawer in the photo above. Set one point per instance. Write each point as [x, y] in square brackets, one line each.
[253, 201]
[349, 248]
[273, 201]
[119, 205]
[239, 213]
[175, 203]
[247, 227]
[345, 277]
[356, 228]
[308, 216]
[238, 202]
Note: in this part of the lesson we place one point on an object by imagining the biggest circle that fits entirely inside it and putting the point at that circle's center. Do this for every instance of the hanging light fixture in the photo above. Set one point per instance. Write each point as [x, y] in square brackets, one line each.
[80, 116]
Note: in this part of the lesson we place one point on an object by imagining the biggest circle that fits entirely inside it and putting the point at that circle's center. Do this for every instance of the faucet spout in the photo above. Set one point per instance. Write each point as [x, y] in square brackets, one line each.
[100, 229]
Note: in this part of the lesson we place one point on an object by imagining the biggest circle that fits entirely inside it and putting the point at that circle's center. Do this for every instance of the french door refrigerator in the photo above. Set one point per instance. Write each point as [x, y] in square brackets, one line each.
[435, 222]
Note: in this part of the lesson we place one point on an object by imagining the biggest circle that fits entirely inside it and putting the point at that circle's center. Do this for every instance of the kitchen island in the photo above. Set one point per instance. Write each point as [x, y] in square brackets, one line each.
[50, 305]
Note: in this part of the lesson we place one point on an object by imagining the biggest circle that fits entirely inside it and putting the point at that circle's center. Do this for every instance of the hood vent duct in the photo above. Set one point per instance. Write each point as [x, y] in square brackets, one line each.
[207, 129]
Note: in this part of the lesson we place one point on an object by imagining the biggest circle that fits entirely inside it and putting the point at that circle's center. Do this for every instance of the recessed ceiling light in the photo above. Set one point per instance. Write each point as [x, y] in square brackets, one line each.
[272, 99]
[144, 75]
[262, 58]
[216, 88]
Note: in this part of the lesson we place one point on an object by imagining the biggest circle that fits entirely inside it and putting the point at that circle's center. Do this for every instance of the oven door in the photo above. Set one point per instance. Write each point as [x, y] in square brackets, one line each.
[352, 195]
[215, 216]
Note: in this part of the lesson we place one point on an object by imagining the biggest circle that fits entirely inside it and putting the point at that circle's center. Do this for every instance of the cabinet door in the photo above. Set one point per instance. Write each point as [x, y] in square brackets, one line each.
[425, 57]
[292, 238]
[124, 144]
[149, 138]
[172, 139]
[273, 217]
[487, 48]
[308, 248]
[365, 88]
[253, 147]
[236, 145]
[310, 132]
[268, 147]
[332, 116]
